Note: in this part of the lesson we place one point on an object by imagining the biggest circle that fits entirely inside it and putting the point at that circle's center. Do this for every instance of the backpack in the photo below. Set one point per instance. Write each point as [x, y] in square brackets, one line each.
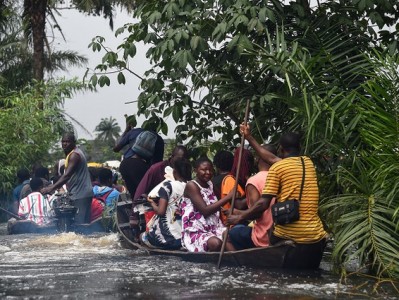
[144, 145]
[97, 205]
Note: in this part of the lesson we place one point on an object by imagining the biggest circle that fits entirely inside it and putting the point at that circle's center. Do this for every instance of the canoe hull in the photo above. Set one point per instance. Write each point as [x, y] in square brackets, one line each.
[25, 226]
[286, 254]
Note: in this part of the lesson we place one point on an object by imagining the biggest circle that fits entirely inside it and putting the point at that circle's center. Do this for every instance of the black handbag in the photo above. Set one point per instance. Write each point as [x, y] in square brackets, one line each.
[288, 211]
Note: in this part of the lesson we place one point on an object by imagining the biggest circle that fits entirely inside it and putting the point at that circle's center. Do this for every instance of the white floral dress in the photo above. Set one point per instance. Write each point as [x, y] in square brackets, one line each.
[196, 228]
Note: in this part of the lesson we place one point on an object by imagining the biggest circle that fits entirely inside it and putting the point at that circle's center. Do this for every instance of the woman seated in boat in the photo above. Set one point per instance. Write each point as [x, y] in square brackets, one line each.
[35, 207]
[202, 227]
[164, 229]
[257, 235]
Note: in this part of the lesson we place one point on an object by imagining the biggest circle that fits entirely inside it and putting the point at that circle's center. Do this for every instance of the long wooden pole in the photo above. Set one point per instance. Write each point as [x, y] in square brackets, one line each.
[11, 214]
[235, 185]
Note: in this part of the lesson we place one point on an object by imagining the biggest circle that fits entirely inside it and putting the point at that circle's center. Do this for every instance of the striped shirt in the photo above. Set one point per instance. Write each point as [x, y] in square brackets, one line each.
[36, 208]
[284, 181]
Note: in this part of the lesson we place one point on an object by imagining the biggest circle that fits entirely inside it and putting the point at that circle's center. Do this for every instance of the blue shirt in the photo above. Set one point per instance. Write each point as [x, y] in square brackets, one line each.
[17, 191]
[111, 199]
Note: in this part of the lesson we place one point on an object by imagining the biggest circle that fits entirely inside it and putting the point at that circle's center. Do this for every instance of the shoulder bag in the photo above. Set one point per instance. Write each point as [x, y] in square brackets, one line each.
[287, 212]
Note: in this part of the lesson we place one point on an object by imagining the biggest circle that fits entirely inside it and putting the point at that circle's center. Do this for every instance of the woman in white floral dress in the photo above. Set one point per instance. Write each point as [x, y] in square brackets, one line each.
[202, 227]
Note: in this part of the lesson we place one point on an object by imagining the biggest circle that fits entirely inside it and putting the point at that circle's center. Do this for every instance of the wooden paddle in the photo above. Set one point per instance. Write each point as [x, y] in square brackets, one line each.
[235, 185]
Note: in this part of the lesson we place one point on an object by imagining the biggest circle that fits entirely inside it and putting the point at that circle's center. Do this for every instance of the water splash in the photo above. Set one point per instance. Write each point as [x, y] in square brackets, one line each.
[76, 242]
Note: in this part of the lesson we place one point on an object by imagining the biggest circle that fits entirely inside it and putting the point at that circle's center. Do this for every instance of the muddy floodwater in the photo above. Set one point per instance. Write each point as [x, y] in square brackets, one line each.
[71, 266]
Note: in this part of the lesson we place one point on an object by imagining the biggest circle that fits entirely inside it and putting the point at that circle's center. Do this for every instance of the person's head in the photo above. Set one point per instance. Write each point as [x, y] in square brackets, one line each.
[23, 174]
[247, 162]
[152, 124]
[42, 172]
[182, 169]
[178, 152]
[93, 171]
[223, 161]
[36, 184]
[203, 169]
[131, 121]
[105, 176]
[290, 143]
[68, 142]
[263, 165]
[35, 166]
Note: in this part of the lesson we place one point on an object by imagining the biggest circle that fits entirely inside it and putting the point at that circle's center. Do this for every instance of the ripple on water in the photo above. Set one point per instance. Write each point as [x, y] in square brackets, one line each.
[4, 249]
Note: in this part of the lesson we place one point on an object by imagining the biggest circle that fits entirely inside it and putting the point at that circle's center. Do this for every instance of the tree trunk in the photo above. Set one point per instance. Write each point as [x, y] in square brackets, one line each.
[35, 13]
[38, 23]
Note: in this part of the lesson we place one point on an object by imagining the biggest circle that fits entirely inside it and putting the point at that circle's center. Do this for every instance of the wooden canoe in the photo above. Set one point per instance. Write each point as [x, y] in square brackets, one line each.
[25, 226]
[63, 221]
[287, 254]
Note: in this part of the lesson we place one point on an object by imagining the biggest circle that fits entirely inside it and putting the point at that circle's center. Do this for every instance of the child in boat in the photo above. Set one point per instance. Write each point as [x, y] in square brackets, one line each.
[164, 229]
[105, 196]
[229, 181]
[223, 162]
[35, 207]
[202, 227]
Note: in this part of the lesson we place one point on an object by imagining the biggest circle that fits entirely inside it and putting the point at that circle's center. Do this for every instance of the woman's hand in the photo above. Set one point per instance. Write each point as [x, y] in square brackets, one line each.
[151, 200]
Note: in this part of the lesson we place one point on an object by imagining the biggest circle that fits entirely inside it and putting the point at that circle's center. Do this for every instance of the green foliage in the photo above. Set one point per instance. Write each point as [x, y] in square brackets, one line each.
[27, 131]
[364, 225]
[103, 8]
[364, 215]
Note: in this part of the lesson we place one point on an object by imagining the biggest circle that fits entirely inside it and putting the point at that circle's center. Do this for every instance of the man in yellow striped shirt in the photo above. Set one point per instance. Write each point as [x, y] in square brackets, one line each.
[284, 182]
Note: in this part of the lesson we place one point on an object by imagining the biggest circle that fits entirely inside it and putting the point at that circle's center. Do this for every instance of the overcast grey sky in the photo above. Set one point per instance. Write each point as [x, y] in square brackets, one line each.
[88, 108]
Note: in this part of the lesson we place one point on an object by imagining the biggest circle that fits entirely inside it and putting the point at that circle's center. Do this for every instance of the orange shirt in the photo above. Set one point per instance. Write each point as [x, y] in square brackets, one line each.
[227, 185]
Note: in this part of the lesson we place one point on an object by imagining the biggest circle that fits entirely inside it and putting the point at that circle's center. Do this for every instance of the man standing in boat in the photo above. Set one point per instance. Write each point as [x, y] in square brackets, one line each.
[130, 170]
[76, 177]
[128, 138]
[284, 182]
